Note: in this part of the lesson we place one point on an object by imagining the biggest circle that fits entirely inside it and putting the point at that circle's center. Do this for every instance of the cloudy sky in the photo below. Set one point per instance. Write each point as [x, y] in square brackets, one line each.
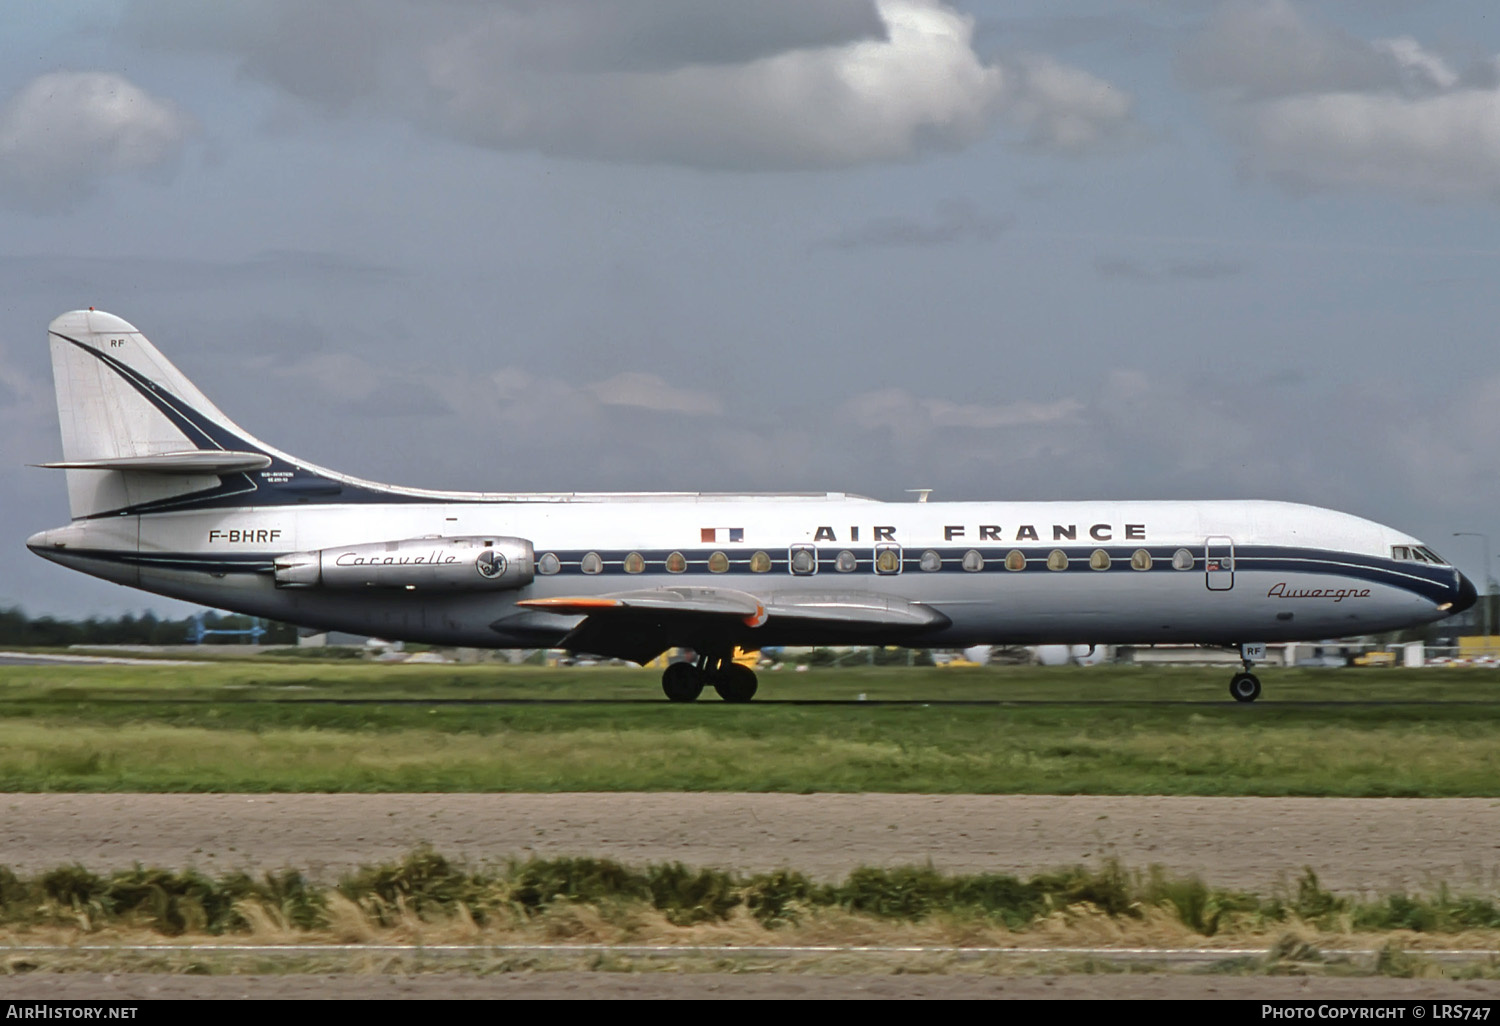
[1029, 250]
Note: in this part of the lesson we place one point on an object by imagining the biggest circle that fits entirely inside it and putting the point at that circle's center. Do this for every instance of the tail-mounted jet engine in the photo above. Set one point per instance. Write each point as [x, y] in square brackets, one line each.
[478, 563]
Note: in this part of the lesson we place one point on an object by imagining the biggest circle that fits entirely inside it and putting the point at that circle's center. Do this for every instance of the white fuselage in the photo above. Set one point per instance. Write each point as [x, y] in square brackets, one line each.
[1258, 571]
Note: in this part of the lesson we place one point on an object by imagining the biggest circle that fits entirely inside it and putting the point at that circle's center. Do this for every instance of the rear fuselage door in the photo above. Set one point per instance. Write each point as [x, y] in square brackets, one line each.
[1218, 563]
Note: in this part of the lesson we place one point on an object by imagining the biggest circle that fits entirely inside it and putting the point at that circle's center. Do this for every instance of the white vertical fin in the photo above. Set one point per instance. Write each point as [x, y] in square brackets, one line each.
[100, 364]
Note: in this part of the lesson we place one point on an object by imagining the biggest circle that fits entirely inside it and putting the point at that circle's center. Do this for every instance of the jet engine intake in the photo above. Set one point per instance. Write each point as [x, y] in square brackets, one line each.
[477, 563]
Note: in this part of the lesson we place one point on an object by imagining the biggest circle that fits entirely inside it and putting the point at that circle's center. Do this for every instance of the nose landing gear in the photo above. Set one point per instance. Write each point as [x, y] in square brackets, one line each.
[1245, 686]
[684, 682]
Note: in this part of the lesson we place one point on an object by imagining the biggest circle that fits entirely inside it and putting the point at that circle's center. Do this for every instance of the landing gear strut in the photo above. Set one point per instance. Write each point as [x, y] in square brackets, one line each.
[1245, 686]
[683, 682]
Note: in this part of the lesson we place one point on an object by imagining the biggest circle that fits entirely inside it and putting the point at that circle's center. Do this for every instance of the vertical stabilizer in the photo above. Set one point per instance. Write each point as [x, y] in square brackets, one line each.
[127, 414]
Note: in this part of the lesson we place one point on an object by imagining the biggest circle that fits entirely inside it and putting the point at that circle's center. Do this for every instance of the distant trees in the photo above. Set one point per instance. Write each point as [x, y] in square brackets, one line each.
[18, 629]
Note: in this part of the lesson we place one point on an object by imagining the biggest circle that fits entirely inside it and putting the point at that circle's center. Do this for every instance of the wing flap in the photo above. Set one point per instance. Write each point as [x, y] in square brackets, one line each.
[693, 601]
[854, 609]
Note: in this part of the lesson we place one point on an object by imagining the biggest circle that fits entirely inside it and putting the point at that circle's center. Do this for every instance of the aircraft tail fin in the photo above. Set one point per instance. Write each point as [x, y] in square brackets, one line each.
[136, 433]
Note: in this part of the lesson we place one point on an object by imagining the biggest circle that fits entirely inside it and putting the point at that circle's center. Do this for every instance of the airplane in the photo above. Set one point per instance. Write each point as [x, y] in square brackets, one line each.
[168, 495]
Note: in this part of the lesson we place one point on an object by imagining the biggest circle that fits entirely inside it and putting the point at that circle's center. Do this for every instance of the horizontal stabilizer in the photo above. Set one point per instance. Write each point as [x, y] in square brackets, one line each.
[191, 461]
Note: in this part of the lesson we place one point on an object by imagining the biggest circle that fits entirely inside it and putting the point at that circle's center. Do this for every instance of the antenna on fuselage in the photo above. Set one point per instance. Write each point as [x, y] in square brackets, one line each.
[921, 493]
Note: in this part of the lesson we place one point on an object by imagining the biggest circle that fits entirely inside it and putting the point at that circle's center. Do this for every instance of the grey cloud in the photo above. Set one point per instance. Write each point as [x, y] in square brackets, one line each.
[1445, 146]
[955, 223]
[1065, 109]
[1314, 107]
[579, 35]
[1265, 48]
[1480, 75]
[1125, 29]
[65, 132]
[819, 108]
[285, 42]
[762, 85]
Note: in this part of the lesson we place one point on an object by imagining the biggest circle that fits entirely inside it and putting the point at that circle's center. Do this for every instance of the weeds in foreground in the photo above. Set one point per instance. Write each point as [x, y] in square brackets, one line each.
[600, 899]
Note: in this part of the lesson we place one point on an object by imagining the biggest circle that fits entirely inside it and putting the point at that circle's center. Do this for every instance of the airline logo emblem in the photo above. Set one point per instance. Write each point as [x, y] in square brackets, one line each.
[712, 535]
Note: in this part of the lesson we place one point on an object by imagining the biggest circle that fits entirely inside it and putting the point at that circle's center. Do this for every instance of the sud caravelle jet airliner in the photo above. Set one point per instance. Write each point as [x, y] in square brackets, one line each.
[168, 495]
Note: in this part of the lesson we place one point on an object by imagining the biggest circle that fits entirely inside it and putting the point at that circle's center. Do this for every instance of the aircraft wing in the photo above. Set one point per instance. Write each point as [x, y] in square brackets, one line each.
[639, 625]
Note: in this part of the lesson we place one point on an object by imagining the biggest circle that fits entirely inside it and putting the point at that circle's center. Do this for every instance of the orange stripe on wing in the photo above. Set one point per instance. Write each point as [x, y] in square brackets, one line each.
[569, 603]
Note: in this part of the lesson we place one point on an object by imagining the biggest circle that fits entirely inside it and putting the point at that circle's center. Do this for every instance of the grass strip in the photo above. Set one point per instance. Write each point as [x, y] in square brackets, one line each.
[1441, 753]
[248, 727]
[426, 887]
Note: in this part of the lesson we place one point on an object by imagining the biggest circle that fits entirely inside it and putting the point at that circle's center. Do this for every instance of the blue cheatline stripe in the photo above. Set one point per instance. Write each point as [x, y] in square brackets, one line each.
[1433, 583]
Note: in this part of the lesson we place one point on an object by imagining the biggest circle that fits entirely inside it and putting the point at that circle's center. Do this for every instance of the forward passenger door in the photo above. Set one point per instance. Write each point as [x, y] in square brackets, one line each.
[1218, 563]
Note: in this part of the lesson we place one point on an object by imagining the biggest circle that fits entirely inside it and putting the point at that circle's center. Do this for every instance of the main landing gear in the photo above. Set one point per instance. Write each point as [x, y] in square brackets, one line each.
[683, 682]
[1245, 686]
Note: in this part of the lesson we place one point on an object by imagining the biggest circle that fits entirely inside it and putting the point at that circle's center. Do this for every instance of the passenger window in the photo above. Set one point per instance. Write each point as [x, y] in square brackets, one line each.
[1015, 559]
[1057, 559]
[1099, 560]
[973, 562]
[549, 563]
[718, 563]
[760, 563]
[676, 563]
[931, 561]
[887, 559]
[1182, 559]
[845, 562]
[635, 563]
[804, 559]
[591, 563]
[1140, 559]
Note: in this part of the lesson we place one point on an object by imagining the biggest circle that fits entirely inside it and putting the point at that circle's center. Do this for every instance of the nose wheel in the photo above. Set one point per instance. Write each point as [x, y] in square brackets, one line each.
[684, 682]
[1244, 687]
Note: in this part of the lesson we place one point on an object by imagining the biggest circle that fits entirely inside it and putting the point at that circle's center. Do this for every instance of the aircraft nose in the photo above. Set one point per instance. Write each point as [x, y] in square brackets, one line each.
[1466, 594]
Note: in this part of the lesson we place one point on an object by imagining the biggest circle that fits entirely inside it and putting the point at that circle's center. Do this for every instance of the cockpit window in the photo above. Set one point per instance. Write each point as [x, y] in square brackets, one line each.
[1417, 554]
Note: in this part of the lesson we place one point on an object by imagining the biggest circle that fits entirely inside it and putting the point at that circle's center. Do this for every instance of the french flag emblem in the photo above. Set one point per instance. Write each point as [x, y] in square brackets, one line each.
[710, 535]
